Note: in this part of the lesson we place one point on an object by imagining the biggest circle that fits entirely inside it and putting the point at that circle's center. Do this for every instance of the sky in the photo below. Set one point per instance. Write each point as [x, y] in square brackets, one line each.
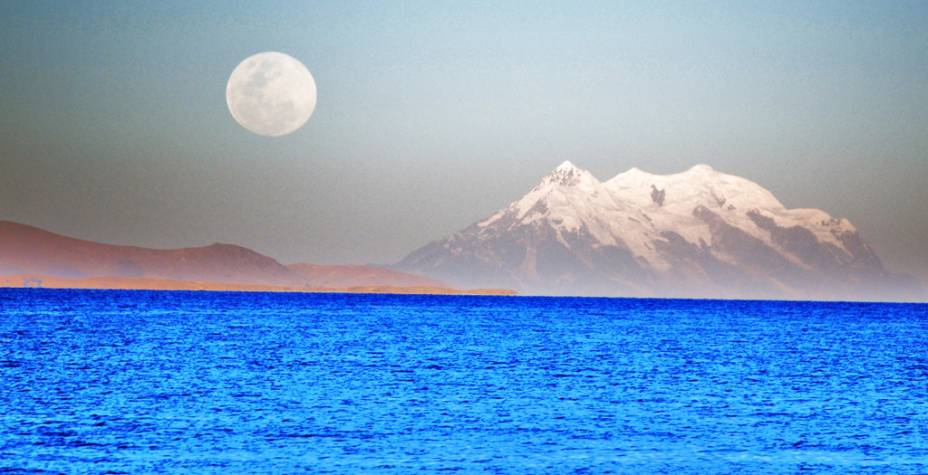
[432, 115]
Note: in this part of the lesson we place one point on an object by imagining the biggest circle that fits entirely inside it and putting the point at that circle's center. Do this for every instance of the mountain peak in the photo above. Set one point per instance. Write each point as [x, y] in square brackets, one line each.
[568, 174]
[700, 168]
[633, 172]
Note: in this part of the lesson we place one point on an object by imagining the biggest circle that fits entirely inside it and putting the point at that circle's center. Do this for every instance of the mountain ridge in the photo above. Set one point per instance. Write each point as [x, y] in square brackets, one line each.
[30, 254]
[697, 233]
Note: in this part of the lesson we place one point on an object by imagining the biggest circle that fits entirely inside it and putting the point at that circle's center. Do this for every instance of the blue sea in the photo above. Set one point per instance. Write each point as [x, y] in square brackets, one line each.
[138, 381]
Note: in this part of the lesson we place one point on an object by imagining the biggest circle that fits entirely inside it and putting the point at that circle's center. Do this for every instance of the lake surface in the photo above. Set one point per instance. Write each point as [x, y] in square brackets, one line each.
[134, 381]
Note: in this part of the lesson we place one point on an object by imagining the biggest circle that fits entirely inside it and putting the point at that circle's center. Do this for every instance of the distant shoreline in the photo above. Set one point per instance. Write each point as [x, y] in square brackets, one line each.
[128, 283]
[384, 290]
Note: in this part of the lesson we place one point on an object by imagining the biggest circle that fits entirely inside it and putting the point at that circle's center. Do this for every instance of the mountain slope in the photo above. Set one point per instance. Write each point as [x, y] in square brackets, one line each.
[697, 233]
[27, 250]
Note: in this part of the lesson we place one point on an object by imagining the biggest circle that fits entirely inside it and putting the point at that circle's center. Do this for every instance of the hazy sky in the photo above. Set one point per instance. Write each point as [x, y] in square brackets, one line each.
[432, 115]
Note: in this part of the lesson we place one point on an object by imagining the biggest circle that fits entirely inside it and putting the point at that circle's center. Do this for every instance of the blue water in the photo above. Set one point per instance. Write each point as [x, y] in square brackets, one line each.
[96, 381]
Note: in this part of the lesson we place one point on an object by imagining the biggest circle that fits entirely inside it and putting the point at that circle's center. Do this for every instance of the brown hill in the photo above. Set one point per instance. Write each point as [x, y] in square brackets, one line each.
[30, 250]
[61, 261]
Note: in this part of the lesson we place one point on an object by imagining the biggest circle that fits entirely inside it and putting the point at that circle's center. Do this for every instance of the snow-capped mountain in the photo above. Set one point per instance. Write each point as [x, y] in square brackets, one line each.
[697, 233]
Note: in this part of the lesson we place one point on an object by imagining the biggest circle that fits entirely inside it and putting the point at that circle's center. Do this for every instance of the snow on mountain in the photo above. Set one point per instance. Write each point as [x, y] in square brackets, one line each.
[572, 200]
[670, 201]
[696, 233]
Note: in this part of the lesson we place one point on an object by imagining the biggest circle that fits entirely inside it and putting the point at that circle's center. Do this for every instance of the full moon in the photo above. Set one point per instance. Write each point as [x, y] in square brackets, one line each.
[271, 94]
